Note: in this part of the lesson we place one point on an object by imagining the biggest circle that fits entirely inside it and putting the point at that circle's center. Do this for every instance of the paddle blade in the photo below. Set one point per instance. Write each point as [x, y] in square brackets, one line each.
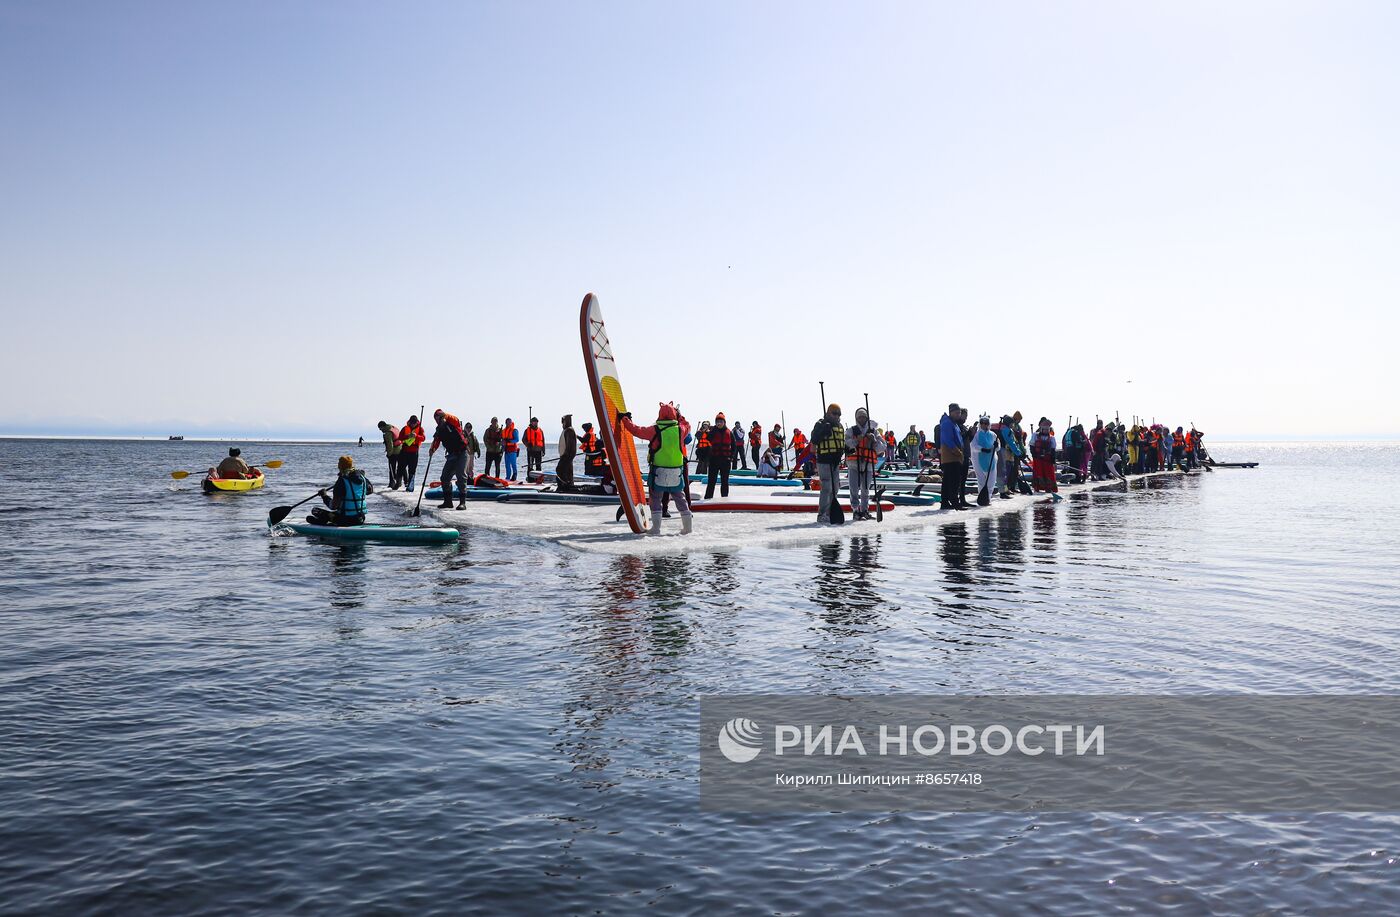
[277, 514]
[273, 464]
[180, 475]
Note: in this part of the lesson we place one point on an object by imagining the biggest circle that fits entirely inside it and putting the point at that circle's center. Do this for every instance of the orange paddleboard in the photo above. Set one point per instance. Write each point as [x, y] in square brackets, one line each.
[598, 359]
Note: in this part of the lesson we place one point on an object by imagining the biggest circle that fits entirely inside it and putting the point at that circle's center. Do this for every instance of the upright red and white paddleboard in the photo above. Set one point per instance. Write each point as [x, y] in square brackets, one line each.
[598, 359]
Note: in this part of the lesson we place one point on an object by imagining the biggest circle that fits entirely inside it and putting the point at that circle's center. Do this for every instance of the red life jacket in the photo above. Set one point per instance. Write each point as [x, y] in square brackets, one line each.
[799, 442]
[410, 432]
[721, 443]
[589, 443]
[507, 437]
[755, 435]
[534, 437]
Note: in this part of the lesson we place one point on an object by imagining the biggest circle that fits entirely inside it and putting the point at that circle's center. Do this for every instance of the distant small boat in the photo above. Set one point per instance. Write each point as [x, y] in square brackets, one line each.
[176, 438]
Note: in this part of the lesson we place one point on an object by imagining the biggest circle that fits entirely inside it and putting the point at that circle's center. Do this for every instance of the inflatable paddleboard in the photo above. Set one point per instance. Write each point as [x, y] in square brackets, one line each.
[771, 505]
[601, 365]
[536, 496]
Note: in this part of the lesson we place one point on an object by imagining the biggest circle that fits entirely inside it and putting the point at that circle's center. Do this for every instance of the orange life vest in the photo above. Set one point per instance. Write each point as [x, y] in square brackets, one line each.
[865, 452]
[507, 437]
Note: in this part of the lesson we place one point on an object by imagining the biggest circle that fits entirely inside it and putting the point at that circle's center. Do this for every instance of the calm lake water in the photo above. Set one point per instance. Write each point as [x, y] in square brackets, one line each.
[196, 717]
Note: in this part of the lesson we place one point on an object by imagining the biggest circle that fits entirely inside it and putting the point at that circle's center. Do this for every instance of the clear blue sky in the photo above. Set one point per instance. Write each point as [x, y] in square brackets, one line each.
[343, 210]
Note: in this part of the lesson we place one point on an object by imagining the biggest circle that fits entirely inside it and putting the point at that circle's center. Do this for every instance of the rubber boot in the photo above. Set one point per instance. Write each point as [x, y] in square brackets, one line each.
[461, 504]
[655, 525]
[685, 524]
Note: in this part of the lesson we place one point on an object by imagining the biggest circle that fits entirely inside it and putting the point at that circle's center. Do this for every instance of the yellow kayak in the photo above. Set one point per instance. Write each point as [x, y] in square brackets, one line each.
[213, 483]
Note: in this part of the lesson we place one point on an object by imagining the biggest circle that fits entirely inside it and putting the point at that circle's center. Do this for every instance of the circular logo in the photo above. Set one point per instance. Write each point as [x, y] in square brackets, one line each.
[740, 740]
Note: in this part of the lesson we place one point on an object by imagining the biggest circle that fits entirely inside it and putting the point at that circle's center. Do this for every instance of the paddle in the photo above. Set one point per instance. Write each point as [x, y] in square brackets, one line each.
[181, 475]
[418, 507]
[279, 513]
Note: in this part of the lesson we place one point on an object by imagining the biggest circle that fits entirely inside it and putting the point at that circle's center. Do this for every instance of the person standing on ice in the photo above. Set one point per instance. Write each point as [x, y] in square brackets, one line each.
[756, 442]
[568, 448]
[666, 474]
[863, 448]
[1043, 458]
[738, 457]
[723, 442]
[510, 441]
[985, 447]
[450, 436]
[534, 447]
[829, 445]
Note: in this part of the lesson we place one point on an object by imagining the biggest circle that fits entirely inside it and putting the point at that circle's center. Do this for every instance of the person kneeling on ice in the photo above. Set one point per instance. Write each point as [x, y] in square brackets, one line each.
[667, 473]
[346, 503]
[770, 463]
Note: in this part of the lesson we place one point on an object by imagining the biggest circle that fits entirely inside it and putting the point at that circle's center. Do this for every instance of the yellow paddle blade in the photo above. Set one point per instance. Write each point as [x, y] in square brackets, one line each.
[274, 464]
[180, 475]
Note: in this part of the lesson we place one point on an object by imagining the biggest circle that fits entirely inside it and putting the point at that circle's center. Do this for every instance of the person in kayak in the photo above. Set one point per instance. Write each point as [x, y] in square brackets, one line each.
[411, 436]
[453, 440]
[510, 444]
[534, 446]
[345, 505]
[829, 448]
[233, 465]
[667, 465]
[568, 449]
[392, 448]
[722, 446]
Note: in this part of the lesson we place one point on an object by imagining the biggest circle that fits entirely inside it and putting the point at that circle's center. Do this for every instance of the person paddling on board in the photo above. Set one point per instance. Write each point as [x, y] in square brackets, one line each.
[411, 436]
[233, 466]
[392, 448]
[510, 442]
[453, 440]
[568, 449]
[534, 446]
[667, 471]
[345, 505]
[723, 442]
[829, 446]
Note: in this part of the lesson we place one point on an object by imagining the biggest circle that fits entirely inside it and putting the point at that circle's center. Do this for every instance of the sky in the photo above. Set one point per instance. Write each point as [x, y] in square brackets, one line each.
[297, 219]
